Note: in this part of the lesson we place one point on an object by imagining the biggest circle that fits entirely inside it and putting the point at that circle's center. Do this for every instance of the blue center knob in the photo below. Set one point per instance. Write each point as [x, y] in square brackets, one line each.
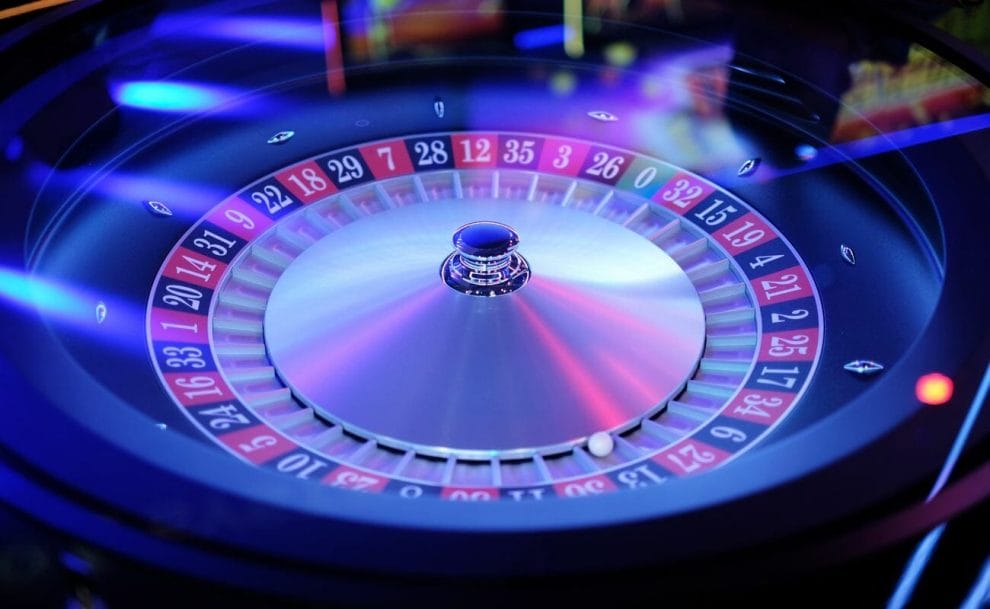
[485, 239]
[485, 262]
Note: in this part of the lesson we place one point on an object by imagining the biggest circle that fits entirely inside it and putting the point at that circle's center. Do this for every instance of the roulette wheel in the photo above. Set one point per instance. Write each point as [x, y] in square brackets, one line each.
[469, 303]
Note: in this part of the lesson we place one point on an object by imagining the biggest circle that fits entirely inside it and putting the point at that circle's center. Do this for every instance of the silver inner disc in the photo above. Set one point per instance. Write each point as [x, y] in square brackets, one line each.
[363, 329]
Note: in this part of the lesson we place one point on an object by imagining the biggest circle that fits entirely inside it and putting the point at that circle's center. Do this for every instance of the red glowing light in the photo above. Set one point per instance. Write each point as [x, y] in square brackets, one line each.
[934, 389]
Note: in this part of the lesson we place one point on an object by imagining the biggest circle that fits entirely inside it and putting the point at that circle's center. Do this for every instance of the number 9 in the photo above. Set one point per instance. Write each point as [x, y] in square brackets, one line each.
[239, 218]
[728, 433]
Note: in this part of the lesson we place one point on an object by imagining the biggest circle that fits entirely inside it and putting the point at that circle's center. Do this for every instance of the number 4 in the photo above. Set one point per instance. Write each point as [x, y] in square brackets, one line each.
[761, 261]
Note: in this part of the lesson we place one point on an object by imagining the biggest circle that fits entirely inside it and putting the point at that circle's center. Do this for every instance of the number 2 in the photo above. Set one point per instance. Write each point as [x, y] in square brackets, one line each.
[795, 315]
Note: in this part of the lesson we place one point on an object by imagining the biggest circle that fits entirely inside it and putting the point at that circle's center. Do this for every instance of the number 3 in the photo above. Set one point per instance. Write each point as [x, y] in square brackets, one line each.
[563, 158]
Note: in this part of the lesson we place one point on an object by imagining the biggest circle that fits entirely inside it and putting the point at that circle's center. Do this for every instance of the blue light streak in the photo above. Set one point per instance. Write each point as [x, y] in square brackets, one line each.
[303, 34]
[540, 37]
[53, 299]
[889, 142]
[68, 306]
[76, 563]
[170, 96]
[979, 595]
[295, 33]
[919, 560]
[960, 442]
[185, 198]
[912, 573]
[916, 135]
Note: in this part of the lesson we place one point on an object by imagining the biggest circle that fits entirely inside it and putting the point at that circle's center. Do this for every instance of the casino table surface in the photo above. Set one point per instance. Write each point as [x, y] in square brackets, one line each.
[469, 303]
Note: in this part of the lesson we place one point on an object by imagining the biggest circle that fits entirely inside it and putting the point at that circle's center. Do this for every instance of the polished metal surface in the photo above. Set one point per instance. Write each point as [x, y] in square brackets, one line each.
[749, 167]
[158, 208]
[361, 327]
[281, 137]
[603, 116]
[864, 367]
[847, 254]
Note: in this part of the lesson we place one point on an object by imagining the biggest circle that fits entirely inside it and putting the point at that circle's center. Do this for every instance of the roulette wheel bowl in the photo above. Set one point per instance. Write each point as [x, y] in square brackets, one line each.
[260, 334]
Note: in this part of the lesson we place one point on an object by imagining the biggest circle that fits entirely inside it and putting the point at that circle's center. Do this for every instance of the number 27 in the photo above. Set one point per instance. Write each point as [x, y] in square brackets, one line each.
[695, 457]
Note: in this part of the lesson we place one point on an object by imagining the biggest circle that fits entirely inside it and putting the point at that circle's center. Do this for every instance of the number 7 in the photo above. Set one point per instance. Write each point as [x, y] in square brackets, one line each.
[385, 152]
